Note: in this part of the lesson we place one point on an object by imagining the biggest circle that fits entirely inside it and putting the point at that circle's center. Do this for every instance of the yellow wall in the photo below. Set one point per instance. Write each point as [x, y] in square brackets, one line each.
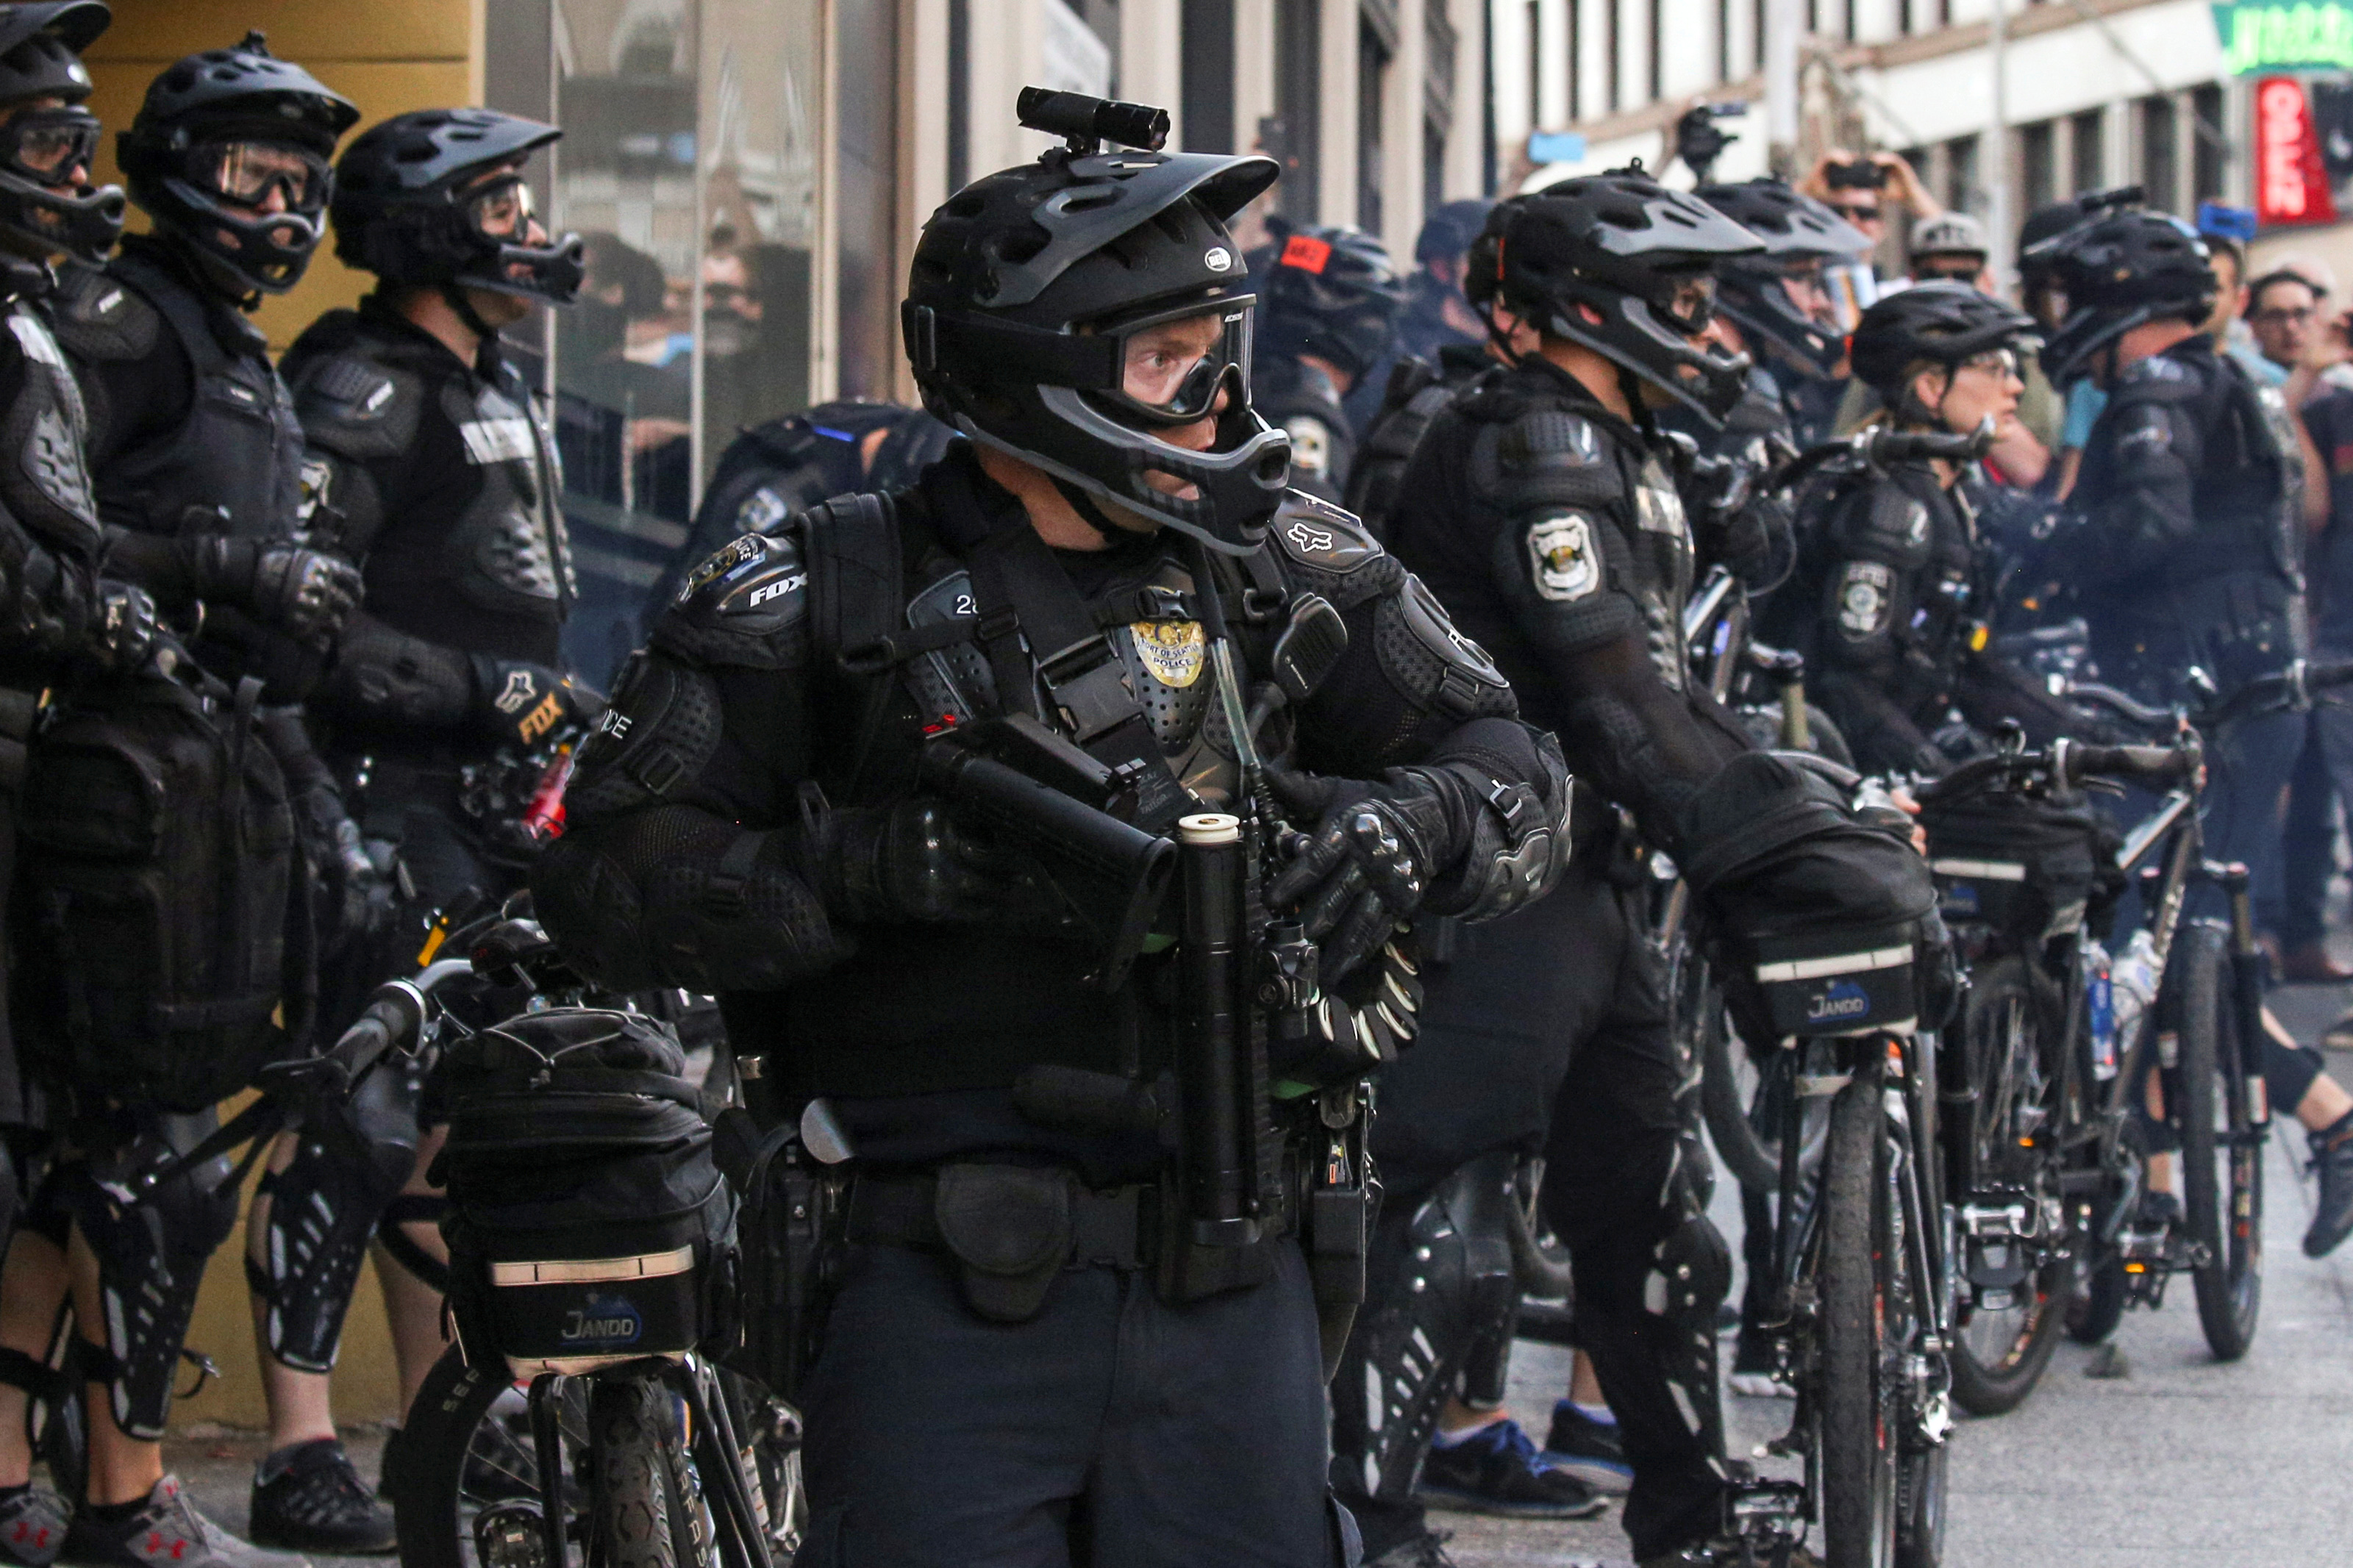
[385, 55]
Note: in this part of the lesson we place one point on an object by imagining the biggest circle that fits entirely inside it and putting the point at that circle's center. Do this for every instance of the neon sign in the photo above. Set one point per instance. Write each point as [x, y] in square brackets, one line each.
[2273, 36]
[2291, 185]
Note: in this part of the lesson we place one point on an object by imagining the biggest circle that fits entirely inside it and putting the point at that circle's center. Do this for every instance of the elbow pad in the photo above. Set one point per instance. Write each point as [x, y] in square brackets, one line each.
[388, 678]
[1500, 791]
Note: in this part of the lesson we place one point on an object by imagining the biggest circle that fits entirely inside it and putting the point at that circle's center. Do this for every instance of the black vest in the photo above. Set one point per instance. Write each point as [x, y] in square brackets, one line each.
[234, 465]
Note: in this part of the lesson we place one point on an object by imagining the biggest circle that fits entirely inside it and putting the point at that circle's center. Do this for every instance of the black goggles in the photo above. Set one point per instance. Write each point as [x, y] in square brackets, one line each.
[47, 145]
[247, 173]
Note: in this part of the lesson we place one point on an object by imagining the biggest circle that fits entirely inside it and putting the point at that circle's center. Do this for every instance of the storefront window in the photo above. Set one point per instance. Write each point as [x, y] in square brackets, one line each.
[627, 79]
[867, 289]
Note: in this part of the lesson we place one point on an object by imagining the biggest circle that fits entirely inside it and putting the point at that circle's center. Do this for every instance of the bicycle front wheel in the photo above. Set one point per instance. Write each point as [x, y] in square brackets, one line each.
[2222, 1159]
[1999, 1352]
[1860, 1270]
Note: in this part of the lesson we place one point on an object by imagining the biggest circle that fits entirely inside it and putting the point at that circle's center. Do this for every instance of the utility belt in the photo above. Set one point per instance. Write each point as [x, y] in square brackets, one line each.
[1014, 1229]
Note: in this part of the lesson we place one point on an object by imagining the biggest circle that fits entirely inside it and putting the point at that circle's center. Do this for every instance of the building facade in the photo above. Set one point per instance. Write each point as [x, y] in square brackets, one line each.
[2000, 105]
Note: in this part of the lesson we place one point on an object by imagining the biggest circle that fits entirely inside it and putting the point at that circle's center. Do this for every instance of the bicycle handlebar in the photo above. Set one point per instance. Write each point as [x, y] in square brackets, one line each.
[2070, 763]
[1885, 446]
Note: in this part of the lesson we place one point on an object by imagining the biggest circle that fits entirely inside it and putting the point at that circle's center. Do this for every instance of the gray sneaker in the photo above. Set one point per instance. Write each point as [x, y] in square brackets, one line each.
[32, 1528]
[167, 1533]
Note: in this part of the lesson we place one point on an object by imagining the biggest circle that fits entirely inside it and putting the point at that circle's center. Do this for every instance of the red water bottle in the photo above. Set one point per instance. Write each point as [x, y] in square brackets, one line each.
[544, 817]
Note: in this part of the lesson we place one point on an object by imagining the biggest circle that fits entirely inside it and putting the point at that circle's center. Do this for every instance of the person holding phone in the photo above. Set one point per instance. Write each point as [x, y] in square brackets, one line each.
[1861, 188]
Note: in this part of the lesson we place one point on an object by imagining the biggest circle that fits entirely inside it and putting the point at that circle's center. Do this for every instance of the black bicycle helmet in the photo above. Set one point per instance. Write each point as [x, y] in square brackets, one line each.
[1642, 257]
[1330, 293]
[1029, 285]
[2118, 272]
[189, 158]
[407, 206]
[1796, 229]
[1939, 324]
[40, 48]
[1448, 232]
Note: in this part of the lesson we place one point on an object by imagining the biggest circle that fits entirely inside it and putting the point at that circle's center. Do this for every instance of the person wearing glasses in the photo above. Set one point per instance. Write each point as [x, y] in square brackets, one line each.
[1897, 568]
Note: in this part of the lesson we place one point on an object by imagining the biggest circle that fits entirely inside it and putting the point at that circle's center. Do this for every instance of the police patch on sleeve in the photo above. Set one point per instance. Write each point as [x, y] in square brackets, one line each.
[1863, 597]
[1311, 446]
[1561, 554]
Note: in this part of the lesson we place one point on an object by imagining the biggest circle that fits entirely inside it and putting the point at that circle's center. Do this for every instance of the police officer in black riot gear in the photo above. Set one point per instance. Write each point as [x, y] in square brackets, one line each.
[65, 629]
[429, 464]
[1898, 578]
[1330, 300]
[1108, 559]
[198, 458]
[1779, 315]
[2181, 543]
[1546, 509]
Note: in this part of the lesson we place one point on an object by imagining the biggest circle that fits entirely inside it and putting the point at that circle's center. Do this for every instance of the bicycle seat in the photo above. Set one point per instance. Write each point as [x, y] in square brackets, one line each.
[505, 948]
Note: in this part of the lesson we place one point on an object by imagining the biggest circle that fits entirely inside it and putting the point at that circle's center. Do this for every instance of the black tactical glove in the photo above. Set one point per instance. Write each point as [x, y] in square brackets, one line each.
[1365, 865]
[303, 591]
[356, 899]
[524, 703]
[907, 861]
[122, 632]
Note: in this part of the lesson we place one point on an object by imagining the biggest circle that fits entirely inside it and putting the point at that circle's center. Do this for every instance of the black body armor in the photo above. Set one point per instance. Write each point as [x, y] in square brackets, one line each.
[234, 465]
[2186, 551]
[684, 860]
[440, 480]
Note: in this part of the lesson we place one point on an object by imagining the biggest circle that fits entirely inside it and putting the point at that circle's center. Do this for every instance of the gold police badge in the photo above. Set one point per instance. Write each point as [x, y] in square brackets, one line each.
[1172, 650]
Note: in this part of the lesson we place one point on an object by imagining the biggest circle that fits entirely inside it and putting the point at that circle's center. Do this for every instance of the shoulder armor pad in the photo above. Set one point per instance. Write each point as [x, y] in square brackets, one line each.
[1316, 535]
[97, 317]
[356, 406]
[746, 605]
[1326, 549]
[1883, 521]
[1544, 458]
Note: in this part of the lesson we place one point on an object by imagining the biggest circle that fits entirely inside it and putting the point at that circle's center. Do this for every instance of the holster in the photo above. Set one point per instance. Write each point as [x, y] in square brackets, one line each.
[1008, 1228]
[791, 1224]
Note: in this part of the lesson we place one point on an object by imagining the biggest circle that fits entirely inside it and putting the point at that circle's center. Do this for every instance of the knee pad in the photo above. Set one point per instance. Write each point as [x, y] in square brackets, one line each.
[1438, 1275]
[150, 1260]
[353, 1161]
[1690, 1274]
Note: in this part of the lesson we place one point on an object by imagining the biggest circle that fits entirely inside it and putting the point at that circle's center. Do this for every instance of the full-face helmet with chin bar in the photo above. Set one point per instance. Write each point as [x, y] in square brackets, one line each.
[1074, 310]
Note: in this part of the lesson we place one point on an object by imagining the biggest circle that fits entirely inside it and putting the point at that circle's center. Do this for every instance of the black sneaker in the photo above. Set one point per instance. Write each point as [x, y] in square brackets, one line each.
[309, 1497]
[1496, 1470]
[166, 1533]
[2157, 1211]
[2332, 1213]
[1589, 1449]
[33, 1527]
[1427, 1550]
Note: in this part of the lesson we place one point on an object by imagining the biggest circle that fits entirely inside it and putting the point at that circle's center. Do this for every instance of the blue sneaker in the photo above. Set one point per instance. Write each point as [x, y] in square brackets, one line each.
[1589, 1449]
[1496, 1469]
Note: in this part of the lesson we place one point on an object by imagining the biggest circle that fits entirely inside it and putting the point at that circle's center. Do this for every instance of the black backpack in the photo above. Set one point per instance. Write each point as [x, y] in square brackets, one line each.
[589, 1224]
[163, 938]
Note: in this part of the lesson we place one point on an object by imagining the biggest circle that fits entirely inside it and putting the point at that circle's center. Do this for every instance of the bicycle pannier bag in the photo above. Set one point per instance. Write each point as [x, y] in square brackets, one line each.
[2028, 867]
[589, 1224]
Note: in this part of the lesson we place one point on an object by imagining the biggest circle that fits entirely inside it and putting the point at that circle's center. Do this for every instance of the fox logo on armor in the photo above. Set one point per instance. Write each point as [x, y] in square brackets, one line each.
[542, 719]
[1311, 539]
[1560, 551]
[519, 688]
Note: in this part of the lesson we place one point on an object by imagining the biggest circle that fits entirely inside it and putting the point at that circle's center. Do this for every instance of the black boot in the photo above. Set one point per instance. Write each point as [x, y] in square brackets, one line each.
[2332, 1213]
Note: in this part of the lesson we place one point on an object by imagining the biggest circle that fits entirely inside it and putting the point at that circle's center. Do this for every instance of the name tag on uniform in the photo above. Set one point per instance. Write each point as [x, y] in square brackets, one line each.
[496, 440]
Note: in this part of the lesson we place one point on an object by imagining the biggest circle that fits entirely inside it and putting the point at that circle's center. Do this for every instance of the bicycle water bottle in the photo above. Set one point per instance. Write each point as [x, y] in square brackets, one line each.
[2134, 977]
[2099, 995]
